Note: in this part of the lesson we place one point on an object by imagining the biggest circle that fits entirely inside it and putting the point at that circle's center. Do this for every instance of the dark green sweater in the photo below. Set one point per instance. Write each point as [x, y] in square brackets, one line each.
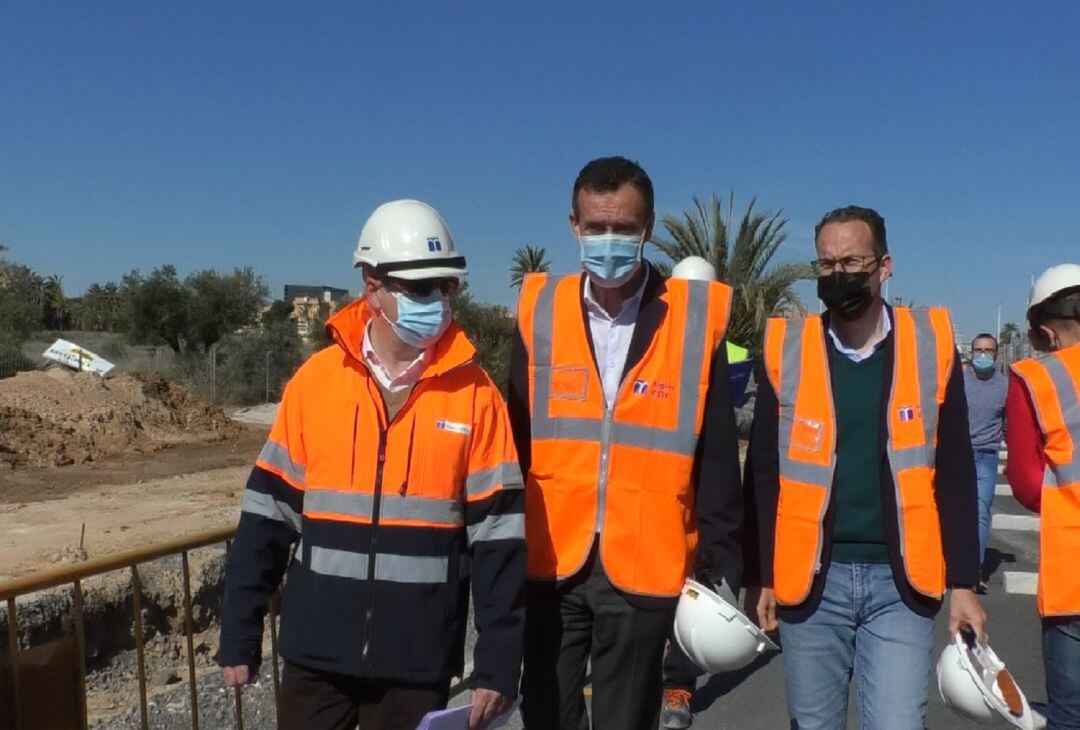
[858, 531]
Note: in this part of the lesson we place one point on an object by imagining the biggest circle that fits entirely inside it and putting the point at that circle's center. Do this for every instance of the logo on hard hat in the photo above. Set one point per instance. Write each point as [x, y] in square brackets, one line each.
[434, 244]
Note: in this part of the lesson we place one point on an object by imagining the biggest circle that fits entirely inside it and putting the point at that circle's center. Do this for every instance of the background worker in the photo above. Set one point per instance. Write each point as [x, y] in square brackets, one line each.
[985, 389]
[621, 409]
[392, 458]
[1043, 436]
[861, 436]
[681, 674]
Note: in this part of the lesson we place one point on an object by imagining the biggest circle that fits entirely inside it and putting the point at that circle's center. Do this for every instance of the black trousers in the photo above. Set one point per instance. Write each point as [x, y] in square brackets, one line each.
[315, 700]
[679, 671]
[588, 620]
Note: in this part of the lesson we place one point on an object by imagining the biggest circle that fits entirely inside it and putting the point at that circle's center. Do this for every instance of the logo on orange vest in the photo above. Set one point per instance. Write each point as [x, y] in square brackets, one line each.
[444, 425]
[654, 389]
[907, 413]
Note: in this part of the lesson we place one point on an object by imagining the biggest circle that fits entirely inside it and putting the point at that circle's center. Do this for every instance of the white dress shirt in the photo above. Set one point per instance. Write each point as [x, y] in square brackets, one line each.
[611, 336]
[866, 352]
[408, 376]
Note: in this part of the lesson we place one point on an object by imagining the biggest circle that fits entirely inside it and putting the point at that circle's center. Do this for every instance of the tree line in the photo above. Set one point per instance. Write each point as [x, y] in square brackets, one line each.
[228, 311]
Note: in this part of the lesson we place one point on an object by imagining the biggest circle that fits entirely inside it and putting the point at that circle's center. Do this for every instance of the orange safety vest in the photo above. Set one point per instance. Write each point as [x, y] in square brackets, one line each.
[1054, 384]
[797, 364]
[622, 470]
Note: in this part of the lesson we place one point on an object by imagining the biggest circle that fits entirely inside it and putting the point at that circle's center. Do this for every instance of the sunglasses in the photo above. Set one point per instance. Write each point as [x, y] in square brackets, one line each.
[418, 287]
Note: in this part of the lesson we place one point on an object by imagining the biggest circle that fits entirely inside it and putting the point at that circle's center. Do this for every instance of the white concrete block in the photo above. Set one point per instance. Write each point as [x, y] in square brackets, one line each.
[1024, 523]
[1021, 583]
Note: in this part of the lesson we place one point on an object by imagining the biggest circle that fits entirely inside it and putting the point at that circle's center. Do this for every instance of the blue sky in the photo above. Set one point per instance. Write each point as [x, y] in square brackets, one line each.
[204, 134]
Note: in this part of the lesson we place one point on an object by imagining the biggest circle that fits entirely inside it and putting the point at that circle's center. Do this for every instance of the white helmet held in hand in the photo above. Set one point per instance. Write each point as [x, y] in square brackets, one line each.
[408, 239]
[974, 683]
[713, 633]
[694, 268]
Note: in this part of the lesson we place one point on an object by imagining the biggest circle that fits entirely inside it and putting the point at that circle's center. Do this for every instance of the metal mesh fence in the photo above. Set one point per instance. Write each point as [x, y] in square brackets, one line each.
[246, 377]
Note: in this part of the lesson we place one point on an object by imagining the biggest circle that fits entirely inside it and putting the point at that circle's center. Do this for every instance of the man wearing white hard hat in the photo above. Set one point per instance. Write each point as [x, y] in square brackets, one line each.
[389, 483]
[1043, 436]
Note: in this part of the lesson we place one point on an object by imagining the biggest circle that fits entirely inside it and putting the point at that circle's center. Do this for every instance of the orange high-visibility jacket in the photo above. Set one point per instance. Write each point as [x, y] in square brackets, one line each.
[797, 364]
[620, 470]
[390, 518]
[1054, 385]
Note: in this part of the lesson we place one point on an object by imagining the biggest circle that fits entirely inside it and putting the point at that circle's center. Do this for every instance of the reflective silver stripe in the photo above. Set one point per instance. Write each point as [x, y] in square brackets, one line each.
[298, 554]
[804, 473]
[411, 569]
[498, 527]
[264, 505]
[277, 455]
[921, 454]
[339, 563]
[392, 506]
[574, 429]
[790, 380]
[926, 345]
[507, 474]
[390, 568]
[911, 457]
[542, 330]
[1070, 413]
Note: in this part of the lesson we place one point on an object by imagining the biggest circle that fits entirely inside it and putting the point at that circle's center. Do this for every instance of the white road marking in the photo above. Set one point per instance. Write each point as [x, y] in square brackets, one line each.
[1021, 583]
[1025, 523]
[1003, 490]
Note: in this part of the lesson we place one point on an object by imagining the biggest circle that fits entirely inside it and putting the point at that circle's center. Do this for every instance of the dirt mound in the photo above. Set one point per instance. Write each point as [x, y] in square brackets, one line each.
[55, 418]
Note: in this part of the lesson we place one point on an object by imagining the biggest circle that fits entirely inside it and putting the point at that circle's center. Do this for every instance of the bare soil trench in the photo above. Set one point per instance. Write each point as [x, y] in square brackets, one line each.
[126, 501]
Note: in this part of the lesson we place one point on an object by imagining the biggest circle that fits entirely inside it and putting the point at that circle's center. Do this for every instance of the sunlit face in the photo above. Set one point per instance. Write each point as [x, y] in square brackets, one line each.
[853, 240]
[984, 346]
[619, 211]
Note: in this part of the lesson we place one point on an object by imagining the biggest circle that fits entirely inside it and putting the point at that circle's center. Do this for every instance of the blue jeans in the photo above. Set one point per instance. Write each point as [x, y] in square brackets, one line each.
[986, 465]
[861, 625]
[1061, 657]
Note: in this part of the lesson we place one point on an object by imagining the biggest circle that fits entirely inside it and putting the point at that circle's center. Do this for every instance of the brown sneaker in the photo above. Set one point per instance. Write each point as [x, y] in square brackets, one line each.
[676, 714]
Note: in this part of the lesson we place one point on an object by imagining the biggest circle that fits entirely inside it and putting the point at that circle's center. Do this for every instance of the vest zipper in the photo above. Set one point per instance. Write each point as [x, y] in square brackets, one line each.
[369, 613]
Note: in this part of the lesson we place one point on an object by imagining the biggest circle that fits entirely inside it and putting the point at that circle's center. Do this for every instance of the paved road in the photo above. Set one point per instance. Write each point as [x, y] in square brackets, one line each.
[754, 699]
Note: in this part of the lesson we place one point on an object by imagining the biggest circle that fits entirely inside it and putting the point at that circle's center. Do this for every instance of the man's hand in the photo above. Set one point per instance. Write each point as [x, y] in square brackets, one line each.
[760, 607]
[238, 676]
[964, 608]
[487, 704]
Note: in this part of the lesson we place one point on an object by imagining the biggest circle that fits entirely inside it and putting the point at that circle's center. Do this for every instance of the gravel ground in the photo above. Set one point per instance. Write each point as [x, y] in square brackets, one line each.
[170, 708]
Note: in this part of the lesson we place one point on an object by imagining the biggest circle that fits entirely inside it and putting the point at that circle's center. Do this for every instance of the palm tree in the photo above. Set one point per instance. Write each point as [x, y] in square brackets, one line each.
[1009, 342]
[528, 260]
[54, 303]
[759, 290]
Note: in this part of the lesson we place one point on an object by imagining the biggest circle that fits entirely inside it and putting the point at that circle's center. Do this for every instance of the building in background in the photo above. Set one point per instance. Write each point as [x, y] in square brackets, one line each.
[313, 304]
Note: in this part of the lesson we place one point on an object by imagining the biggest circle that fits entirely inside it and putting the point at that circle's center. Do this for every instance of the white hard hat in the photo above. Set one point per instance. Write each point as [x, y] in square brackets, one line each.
[1053, 280]
[713, 633]
[408, 239]
[695, 268]
[974, 684]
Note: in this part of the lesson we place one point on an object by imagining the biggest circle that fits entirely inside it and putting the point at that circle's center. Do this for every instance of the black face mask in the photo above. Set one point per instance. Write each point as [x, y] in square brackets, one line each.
[846, 293]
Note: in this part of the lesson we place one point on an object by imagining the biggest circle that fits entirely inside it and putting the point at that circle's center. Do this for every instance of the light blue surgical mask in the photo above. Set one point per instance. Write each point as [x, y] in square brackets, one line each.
[420, 320]
[610, 258]
[982, 363]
